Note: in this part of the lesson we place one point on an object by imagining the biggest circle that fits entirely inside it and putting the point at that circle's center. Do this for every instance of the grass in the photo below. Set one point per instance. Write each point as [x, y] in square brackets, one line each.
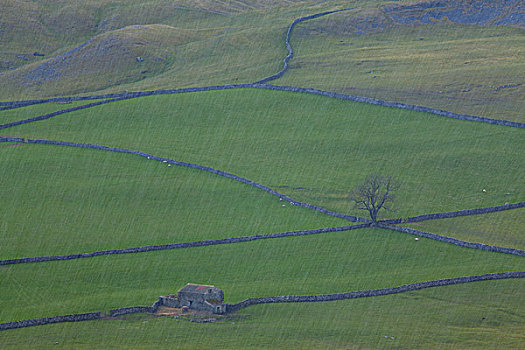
[51, 27]
[503, 228]
[452, 67]
[481, 315]
[228, 44]
[90, 200]
[13, 115]
[57, 200]
[314, 149]
[113, 58]
[320, 264]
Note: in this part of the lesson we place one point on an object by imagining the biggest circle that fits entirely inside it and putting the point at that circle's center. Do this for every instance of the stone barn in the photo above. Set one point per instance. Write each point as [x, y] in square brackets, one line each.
[197, 297]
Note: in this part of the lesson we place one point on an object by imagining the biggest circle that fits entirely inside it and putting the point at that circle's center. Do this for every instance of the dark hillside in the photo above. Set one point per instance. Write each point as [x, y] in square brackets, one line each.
[480, 12]
[120, 56]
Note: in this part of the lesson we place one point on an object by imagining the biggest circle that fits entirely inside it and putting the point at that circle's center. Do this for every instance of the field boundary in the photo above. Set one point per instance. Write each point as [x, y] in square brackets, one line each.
[108, 98]
[203, 243]
[240, 239]
[203, 168]
[289, 46]
[312, 91]
[446, 239]
[269, 300]
[373, 292]
[49, 320]
[454, 214]
[424, 217]
[367, 223]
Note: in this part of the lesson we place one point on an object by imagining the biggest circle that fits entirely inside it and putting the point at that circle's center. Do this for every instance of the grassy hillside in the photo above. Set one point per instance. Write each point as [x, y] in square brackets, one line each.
[473, 316]
[113, 58]
[503, 228]
[319, 264]
[247, 38]
[313, 148]
[470, 63]
[33, 25]
[91, 200]
[465, 69]
[63, 200]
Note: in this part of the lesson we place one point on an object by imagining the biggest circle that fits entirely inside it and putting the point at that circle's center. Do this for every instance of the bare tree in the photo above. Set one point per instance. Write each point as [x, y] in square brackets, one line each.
[375, 194]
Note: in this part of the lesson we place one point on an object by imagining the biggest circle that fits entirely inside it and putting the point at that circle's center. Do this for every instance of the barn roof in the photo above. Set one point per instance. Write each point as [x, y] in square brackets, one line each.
[197, 288]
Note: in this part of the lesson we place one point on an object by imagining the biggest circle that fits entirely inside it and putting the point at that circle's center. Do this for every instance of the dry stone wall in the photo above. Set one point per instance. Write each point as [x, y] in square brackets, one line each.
[273, 192]
[204, 168]
[368, 100]
[108, 98]
[131, 310]
[12, 139]
[269, 300]
[398, 105]
[455, 241]
[453, 214]
[372, 292]
[49, 320]
[289, 46]
[181, 245]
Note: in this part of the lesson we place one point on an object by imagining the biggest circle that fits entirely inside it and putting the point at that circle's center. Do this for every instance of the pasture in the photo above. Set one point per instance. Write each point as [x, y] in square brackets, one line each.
[318, 264]
[91, 200]
[470, 316]
[465, 69]
[315, 149]
[503, 228]
[477, 314]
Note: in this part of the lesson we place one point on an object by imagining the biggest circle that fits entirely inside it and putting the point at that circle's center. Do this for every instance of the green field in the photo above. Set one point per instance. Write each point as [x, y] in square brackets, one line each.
[467, 69]
[451, 67]
[504, 228]
[334, 263]
[90, 200]
[65, 200]
[21, 113]
[320, 264]
[473, 316]
[314, 148]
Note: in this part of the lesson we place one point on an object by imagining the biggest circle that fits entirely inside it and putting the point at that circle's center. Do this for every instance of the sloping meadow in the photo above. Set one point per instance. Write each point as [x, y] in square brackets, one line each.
[321, 264]
[59, 200]
[506, 228]
[313, 148]
[473, 316]
[468, 69]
